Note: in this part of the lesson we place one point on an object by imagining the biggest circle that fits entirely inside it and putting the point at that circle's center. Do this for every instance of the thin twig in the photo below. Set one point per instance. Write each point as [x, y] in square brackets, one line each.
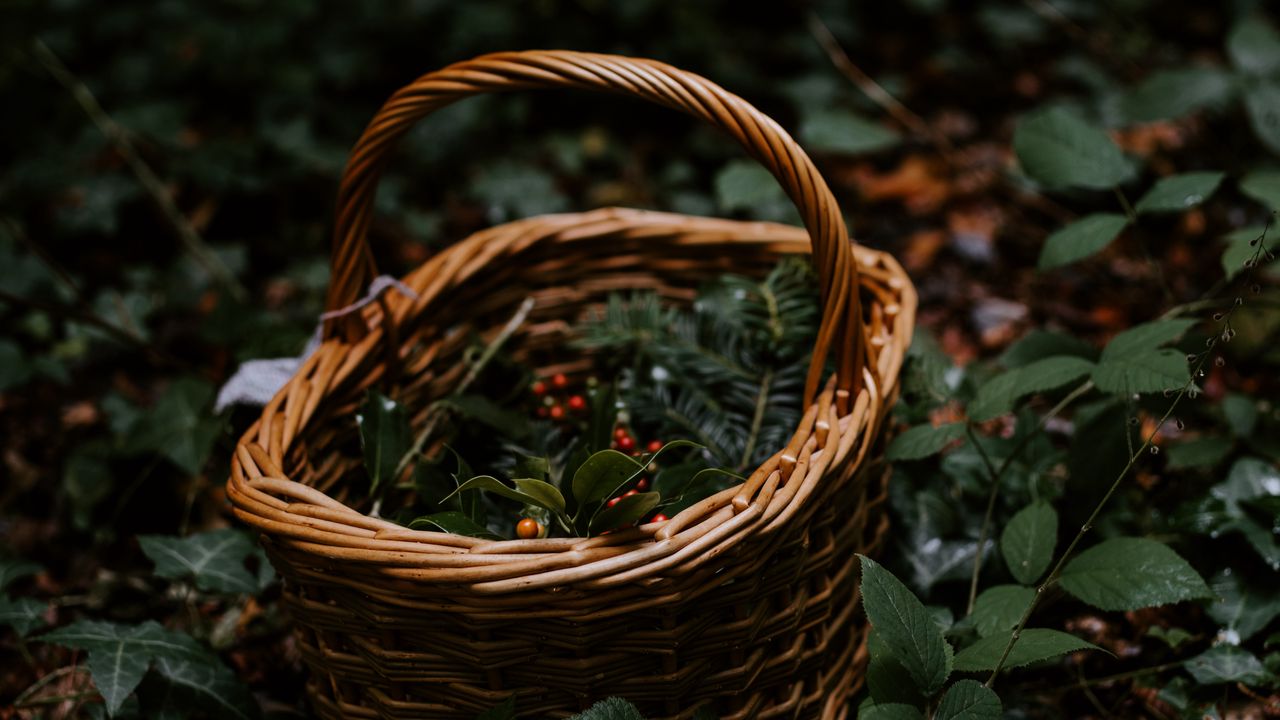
[119, 139]
[42, 682]
[869, 87]
[997, 475]
[757, 419]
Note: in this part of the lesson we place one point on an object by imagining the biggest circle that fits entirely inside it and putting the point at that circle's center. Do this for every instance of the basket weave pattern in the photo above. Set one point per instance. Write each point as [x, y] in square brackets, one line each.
[746, 600]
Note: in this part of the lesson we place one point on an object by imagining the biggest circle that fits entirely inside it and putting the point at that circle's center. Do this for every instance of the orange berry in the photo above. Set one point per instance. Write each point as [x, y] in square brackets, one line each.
[655, 446]
[556, 412]
[559, 380]
[528, 529]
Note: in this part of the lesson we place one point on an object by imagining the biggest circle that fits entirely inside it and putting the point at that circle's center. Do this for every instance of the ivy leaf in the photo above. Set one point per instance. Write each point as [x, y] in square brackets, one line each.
[1170, 94]
[206, 684]
[11, 570]
[1179, 192]
[1227, 663]
[453, 521]
[216, 559]
[180, 426]
[1080, 239]
[385, 437]
[1131, 573]
[840, 131]
[906, 627]
[1059, 150]
[1028, 541]
[119, 655]
[998, 609]
[601, 474]
[924, 440]
[610, 709]
[969, 700]
[628, 509]
[22, 614]
[1262, 102]
[1254, 46]
[998, 395]
[1034, 645]
[1241, 609]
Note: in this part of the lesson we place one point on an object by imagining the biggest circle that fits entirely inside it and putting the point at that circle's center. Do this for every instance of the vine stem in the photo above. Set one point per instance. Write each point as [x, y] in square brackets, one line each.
[998, 474]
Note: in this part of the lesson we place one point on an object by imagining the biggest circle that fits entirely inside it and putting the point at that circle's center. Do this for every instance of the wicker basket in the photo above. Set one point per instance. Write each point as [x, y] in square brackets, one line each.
[746, 600]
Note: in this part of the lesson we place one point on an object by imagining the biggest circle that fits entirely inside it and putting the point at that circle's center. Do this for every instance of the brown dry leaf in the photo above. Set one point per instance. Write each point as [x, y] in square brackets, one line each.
[79, 414]
[1146, 140]
[921, 248]
[919, 183]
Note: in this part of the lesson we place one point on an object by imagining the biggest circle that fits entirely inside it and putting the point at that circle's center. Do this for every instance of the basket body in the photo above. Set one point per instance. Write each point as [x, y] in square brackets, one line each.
[757, 617]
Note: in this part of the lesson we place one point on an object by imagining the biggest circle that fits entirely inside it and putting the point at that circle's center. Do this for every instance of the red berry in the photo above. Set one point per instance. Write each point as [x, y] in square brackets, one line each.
[559, 380]
[655, 446]
[630, 492]
[528, 529]
[626, 444]
[614, 501]
[539, 388]
[557, 412]
[619, 432]
[542, 411]
[659, 518]
[577, 403]
[642, 484]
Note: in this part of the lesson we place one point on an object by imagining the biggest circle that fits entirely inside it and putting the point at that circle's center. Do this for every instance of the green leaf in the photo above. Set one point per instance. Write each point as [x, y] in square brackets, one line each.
[1039, 344]
[215, 559]
[840, 131]
[180, 426]
[385, 437]
[1241, 247]
[1034, 645]
[1170, 94]
[1173, 637]
[208, 685]
[1140, 373]
[504, 711]
[1028, 541]
[1241, 412]
[1131, 573]
[1254, 46]
[969, 700]
[998, 395]
[745, 185]
[889, 682]
[610, 709]
[1147, 336]
[1225, 663]
[88, 480]
[1262, 102]
[453, 521]
[12, 570]
[22, 614]
[1204, 452]
[627, 510]
[1241, 609]
[1179, 192]
[923, 441]
[119, 655]
[906, 627]
[601, 475]
[1080, 239]
[1263, 186]
[1059, 150]
[998, 609]
[527, 490]
[528, 466]
[890, 711]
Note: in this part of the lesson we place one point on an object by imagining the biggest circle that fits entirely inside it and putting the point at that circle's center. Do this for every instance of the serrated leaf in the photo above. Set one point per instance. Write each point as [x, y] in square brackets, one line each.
[119, 655]
[628, 509]
[385, 437]
[601, 475]
[923, 440]
[998, 609]
[1034, 645]
[1028, 540]
[1262, 103]
[901, 620]
[1227, 663]
[887, 680]
[890, 711]
[610, 709]
[22, 614]
[841, 131]
[1173, 637]
[1039, 344]
[1241, 609]
[1144, 337]
[1059, 150]
[1179, 192]
[13, 570]
[1142, 373]
[215, 559]
[453, 521]
[208, 685]
[1254, 46]
[998, 395]
[1170, 94]
[1080, 239]
[1131, 573]
[969, 700]
[1263, 186]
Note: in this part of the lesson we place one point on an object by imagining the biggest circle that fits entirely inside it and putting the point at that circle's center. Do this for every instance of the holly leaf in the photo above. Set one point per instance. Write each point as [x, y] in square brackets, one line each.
[385, 437]
[923, 441]
[1028, 540]
[1225, 663]
[1179, 192]
[215, 559]
[22, 614]
[1033, 645]
[969, 700]
[1080, 239]
[1131, 573]
[998, 609]
[1059, 150]
[907, 628]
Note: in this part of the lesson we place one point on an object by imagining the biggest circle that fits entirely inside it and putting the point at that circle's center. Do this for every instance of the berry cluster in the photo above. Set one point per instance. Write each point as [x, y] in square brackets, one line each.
[554, 402]
[623, 441]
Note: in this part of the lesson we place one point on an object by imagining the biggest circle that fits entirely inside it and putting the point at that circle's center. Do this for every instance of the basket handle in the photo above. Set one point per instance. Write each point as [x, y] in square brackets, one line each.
[353, 264]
